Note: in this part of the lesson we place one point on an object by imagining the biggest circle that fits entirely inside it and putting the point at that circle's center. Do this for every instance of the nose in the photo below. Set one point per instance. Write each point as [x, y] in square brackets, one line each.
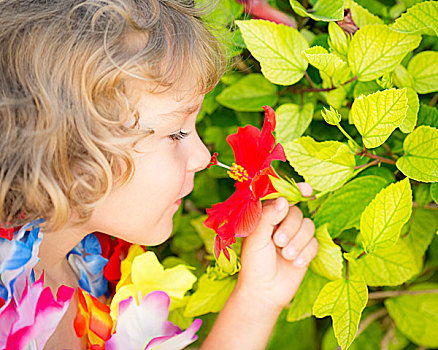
[199, 155]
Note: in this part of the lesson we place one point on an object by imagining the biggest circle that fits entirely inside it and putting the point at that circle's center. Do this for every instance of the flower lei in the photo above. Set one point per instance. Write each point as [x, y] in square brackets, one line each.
[137, 318]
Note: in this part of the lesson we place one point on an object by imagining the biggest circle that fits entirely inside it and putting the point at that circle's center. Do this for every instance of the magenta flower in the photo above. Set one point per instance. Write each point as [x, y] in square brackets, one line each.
[29, 323]
[145, 326]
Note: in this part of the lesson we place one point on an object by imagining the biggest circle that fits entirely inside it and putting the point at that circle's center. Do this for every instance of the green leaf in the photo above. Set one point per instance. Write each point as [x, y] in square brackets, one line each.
[344, 208]
[328, 261]
[383, 219]
[324, 10]
[423, 68]
[338, 40]
[324, 165]
[292, 121]
[305, 296]
[207, 234]
[278, 49]
[286, 188]
[377, 115]
[434, 192]
[428, 116]
[210, 296]
[422, 195]
[224, 13]
[366, 88]
[330, 64]
[411, 115]
[420, 19]
[401, 77]
[416, 316]
[299, 335]
[420, 161]
[344, 300]
[360, 15]
[419, 232]
[388, 267]
[249, 94]
[376, 50]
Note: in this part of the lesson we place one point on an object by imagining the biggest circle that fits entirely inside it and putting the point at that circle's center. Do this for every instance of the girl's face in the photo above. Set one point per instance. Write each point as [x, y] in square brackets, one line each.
[141, 210]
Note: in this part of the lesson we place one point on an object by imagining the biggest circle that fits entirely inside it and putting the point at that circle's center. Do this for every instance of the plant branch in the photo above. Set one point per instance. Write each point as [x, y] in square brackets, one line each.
[370, 319]
[374, 162]
[396, 293]
[309, 80]
[433, 100]
[315, 89]
[379, 158]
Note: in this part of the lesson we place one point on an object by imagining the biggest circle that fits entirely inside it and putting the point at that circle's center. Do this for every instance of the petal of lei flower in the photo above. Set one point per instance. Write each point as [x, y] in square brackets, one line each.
[149, 275]
[145, 325]
[17, 259]
[262, 10]
[88, 264]
[93, 319]
[36, 315]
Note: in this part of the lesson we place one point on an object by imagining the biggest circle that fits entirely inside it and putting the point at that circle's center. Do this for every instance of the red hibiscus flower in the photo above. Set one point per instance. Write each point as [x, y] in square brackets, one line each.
[254, 152]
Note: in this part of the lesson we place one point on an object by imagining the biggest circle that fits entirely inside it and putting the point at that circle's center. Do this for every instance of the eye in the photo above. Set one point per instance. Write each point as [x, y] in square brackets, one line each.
[179, 135]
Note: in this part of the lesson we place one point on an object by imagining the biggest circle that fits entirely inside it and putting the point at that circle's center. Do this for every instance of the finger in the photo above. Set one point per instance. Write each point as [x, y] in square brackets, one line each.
[307, 254]
[273, 213]
[289, 227]
[300, 240]
[305, 188]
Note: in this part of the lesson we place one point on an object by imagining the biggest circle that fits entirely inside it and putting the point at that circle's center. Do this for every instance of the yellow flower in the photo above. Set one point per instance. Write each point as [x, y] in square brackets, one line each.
[143, 273]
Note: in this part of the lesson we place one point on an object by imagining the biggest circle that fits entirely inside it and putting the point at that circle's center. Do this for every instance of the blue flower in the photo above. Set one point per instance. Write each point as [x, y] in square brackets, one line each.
[88, 263]
[17, 260]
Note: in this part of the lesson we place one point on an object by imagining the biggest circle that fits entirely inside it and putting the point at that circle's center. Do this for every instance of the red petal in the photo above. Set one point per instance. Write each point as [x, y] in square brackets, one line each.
[7, 233]
[261, 9]
[219, 246]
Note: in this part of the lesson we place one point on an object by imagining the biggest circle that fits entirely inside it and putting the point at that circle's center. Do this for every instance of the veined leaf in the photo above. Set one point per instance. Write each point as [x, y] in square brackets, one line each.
[428, 116]
[377, 115]
[278, 49]
[305, 296]
[401, 77]
[416, 316]
[324, 10]
[376, 49]
[338, 40]
[329, 63]
[324, 165]
[344, 300]
[423, 68]
[434, 192]
[419, 232]
[420, 19]
[411, 115]
[249, 94]
[328, 261]
[361, 16]
[292, 121]
[420, 161]
[344, 208]
[388, 267]
[383, 219]
[366, 88]
[210, 296]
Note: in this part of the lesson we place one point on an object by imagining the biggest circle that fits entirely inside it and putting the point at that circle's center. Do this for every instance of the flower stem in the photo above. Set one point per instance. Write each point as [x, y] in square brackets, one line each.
[341, 129]
[396, 293]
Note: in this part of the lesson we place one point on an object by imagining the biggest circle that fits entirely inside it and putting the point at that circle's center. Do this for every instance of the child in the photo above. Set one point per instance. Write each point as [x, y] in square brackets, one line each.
[98, 106]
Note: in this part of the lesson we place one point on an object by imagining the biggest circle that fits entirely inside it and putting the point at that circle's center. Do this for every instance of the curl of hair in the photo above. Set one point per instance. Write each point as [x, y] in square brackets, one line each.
[64, 64]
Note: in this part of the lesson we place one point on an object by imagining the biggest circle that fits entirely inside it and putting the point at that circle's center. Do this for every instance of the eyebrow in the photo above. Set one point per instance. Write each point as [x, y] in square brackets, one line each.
[183, 112]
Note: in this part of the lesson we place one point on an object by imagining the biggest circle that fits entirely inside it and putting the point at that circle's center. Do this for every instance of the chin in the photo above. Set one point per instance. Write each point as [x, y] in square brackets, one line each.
[157, 237]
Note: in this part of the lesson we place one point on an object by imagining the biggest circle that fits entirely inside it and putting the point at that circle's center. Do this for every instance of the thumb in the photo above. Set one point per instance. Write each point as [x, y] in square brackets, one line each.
[273, 213]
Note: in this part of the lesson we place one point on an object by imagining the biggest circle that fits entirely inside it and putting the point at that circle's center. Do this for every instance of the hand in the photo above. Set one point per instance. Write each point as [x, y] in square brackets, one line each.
[276, 255]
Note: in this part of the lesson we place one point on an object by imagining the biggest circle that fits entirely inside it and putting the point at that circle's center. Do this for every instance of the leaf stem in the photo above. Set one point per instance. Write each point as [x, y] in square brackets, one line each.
[315, 89]
[309, 80]
[396, 293]
[379, 158]
[374, 162]
[370, 319]
[433, 100]
[361, 255]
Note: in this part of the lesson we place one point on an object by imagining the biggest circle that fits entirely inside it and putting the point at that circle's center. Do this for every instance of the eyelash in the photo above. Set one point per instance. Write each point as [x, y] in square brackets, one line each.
[179, 135]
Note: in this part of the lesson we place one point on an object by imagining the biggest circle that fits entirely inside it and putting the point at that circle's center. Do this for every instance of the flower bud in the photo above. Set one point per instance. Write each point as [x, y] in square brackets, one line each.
[331, 116]
[228, 267]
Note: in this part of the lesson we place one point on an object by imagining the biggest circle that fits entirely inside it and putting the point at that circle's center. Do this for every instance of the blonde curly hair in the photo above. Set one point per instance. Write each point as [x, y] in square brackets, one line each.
[64, 64]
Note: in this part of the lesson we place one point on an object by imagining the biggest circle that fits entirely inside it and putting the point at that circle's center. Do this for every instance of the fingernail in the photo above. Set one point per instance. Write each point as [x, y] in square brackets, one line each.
[281, 239]
[300, 262]
[280, 204]
[289, 253]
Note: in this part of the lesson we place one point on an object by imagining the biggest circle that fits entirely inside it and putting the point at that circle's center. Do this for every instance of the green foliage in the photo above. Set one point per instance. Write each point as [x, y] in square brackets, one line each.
[357, 117]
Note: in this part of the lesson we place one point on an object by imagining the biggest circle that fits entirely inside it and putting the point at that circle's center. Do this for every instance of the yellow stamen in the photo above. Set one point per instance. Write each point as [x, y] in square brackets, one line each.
[238, 173]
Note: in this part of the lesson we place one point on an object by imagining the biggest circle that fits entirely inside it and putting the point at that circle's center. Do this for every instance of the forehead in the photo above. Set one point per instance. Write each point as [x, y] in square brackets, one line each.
[175, 103]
